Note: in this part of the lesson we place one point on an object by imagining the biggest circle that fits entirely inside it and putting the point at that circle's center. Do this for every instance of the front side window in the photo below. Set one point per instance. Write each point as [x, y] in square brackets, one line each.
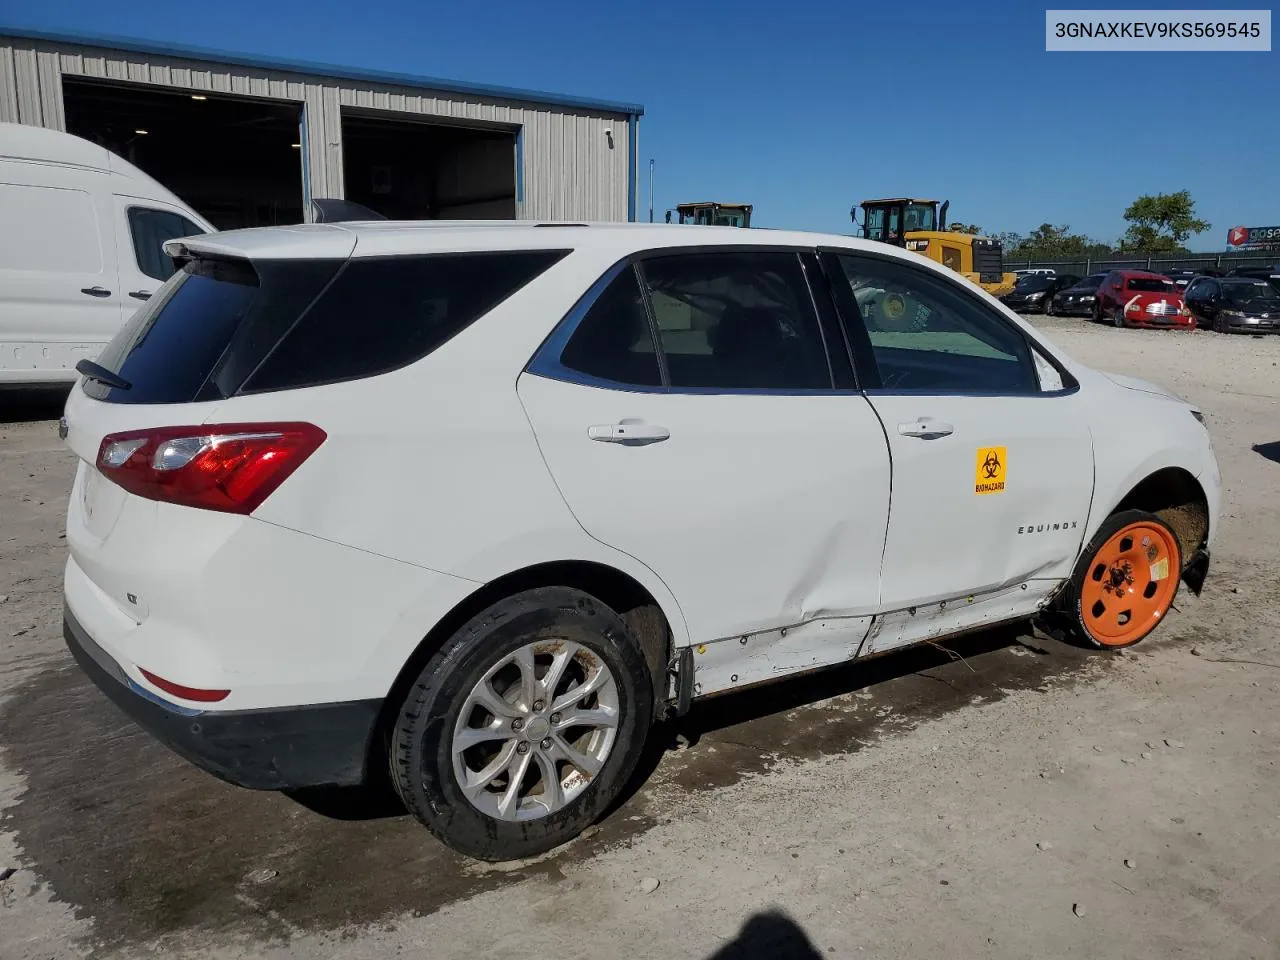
[740, 320]
[150, 229]
[926, 335]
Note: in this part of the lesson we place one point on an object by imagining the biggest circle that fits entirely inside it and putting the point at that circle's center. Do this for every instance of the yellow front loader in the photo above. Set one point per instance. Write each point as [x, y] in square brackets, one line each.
[919, 226]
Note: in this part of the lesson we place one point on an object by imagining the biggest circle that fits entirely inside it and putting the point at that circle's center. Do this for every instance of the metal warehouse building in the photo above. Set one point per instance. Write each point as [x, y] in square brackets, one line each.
[249, 142]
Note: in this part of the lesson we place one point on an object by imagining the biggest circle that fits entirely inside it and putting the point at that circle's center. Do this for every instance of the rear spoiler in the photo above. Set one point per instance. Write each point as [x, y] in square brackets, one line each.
[310, 242]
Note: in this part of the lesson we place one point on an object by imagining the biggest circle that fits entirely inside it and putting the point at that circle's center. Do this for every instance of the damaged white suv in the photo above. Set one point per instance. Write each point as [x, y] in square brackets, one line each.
[478, 502]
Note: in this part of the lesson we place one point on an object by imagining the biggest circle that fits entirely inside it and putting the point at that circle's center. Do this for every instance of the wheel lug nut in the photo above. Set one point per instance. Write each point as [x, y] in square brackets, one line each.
[517, 724]
[555, 718]
[522, 747]
[538, 704]
[546, 744]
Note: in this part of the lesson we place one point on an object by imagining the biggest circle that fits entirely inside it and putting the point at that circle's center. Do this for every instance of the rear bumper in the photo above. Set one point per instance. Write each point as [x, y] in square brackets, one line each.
[263, 749]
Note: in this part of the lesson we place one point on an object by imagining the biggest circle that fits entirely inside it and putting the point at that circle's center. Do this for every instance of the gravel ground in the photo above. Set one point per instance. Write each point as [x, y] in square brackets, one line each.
[1028, 800]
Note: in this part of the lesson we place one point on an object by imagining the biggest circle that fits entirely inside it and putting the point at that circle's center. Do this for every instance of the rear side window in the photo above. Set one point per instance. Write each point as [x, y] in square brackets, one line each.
[150, 229]
[614, 341]
[736, 321]
[380, 314]
[222, 327]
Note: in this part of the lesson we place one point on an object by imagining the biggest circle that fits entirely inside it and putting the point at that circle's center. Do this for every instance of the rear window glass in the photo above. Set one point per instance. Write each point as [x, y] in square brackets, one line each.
[168, 348]
[221, 327]
[1149, 285]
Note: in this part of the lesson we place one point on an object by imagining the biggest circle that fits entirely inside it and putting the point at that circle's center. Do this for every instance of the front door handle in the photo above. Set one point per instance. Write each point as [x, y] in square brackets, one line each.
[926, 428]
[96, 291]
[632, 433]
[140, 294]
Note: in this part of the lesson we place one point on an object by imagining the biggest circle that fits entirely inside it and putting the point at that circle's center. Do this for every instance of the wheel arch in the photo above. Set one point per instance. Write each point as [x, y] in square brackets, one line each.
[649, 622]
[1175, 495]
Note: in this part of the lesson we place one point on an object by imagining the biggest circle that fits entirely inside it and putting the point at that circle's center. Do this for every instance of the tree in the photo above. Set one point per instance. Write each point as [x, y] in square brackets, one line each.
[970, 228]
[1047, 242]
[1161, 223]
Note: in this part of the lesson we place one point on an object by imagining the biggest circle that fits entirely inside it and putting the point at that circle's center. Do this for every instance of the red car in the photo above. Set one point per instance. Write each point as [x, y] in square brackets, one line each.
[1137, 298]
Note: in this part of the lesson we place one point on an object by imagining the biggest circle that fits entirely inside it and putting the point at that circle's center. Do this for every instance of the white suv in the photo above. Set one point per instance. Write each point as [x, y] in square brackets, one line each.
[479, 502]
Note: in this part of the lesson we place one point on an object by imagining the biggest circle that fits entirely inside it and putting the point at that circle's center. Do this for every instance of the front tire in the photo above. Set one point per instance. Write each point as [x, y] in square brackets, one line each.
[1048, 307]
[1117, 318]
[523, 729]
[1125, 582]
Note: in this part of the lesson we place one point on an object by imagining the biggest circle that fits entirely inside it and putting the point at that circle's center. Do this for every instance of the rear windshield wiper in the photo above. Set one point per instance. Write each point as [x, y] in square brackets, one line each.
[95, 371]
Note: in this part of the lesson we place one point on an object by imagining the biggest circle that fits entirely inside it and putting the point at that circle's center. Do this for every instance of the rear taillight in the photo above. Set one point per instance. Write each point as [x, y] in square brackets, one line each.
[228, 467]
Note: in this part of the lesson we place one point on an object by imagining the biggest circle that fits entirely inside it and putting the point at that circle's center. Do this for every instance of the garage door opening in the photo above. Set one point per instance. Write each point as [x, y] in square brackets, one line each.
[409, 170]
[236, 160]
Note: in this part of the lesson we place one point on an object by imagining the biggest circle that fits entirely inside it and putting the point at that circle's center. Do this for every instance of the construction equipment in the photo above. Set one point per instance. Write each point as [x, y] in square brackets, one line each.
[714, 214]
[920, 226]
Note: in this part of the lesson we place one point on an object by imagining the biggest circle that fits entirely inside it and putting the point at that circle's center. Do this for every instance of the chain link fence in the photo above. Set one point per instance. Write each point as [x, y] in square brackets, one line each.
[1221, 262]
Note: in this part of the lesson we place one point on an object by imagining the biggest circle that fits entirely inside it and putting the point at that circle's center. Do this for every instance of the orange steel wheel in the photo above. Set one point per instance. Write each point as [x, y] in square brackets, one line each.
[1130, 583]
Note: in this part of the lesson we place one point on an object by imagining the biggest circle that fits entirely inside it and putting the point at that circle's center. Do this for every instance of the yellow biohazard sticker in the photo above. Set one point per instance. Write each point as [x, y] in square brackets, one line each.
[988, 475]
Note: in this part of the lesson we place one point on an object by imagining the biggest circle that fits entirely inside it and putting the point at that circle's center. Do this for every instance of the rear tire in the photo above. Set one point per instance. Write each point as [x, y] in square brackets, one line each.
[1124, 583]
[522, 778]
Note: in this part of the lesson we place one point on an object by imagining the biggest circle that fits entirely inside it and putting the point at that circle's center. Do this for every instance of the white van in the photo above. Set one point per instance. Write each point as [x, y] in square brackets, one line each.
[81, 232]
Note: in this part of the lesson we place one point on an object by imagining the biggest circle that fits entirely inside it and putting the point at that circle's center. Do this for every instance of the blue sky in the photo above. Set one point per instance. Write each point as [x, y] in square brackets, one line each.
[804, 108]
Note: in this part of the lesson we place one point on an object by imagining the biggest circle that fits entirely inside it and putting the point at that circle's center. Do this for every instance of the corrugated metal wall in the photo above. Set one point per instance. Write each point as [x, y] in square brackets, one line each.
[572, 170]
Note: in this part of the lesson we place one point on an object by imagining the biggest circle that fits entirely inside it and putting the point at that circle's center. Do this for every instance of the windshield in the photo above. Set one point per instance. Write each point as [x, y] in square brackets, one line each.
[1149, 285]
[1256, 296]
[1091, 282]
[1034, 283]
[731, 218]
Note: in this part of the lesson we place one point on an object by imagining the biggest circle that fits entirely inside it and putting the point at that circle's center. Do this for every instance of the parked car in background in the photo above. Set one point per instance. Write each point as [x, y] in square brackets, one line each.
[1271, 274]
[1182, 277]
[1077, 299]
[1234, 304]
[1136, 298]
[293, 592]
[1032, 272]
[81, 237]
[1034, 292]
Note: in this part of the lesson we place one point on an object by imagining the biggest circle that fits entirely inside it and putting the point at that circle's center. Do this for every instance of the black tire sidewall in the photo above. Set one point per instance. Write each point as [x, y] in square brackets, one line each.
[421, 754]
[1112, 525]
[1117, 319]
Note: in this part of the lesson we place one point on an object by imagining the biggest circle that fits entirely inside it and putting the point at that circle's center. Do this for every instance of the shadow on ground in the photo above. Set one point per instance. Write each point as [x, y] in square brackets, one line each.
[1269, 450]
[31, 404]
[768, 936]
[147, 845]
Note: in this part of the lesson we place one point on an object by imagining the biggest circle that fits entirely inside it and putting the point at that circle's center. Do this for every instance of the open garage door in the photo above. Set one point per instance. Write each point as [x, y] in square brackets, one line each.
[411, 170]
[236, 160]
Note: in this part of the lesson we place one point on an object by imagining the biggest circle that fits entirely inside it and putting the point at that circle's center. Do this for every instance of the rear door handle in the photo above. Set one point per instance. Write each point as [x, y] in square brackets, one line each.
[96, 291]
[140, 294]
[633, 433]
[926, 428]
